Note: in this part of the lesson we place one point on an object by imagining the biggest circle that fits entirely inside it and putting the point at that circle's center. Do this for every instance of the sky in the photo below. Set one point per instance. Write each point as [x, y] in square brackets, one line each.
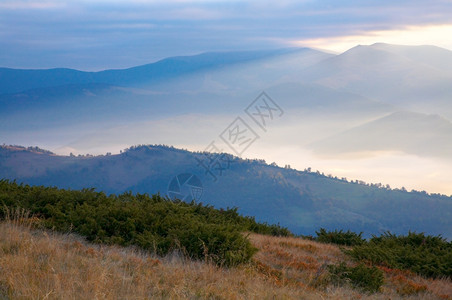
[100, 34]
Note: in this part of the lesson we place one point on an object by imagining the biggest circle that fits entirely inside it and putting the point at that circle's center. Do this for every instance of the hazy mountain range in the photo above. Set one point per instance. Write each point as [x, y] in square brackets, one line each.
[302, 200]
[364, 83]
[379, 113]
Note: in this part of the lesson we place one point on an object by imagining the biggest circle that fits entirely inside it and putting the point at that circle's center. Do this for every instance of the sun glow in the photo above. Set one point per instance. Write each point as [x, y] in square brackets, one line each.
[410, 35]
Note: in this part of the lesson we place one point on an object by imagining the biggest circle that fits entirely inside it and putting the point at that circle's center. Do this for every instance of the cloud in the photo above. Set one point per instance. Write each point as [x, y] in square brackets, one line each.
[30, 5]
[99, 34]
[410, 35]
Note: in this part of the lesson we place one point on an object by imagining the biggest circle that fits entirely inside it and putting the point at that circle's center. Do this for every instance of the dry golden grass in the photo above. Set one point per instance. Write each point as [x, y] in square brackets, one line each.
[298, 262]
[36, 264]
[40, 265]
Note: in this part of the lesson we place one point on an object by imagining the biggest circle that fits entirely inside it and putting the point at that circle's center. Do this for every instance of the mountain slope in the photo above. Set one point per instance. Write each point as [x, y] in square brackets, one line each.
[381, 73]
[207, 83]
[364, 83]
[302, 201]
[17, 80]
[408, 132]
[37, 263]
[430, 55]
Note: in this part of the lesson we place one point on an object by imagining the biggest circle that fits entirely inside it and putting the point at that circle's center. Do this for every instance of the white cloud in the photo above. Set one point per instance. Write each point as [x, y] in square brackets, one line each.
[410, 35]
[151, 29]
[15, 5]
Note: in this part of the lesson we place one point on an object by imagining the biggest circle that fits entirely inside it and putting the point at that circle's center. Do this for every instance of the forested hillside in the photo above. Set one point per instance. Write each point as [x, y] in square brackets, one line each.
[303, 201]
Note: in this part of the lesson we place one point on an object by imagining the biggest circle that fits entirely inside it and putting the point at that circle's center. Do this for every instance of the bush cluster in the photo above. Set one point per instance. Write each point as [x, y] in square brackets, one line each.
[426, 255]
[346, 238]
[368, 279]
[151, 222]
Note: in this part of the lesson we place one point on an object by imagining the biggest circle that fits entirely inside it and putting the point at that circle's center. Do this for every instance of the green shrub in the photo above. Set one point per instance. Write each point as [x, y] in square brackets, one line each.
[264, 228]
[368, 279]
[340, 237]
[426, 255]
[151, 222]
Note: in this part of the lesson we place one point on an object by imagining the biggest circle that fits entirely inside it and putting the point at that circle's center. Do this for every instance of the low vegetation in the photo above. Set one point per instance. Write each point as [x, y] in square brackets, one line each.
[368, 279]
[151, 222]
[430, 256]
[44, 264]
[347, 238]
[426, 255]
[175, 249]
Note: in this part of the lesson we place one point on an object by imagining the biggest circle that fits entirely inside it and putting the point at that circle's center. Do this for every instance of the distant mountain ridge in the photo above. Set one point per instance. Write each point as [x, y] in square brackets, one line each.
[18, 80]
[301, 200]
[400, 131]
[388, 73]
[335, 106]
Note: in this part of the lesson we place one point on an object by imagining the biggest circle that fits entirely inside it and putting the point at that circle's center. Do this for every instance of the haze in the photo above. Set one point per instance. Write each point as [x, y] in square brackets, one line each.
[379, 112]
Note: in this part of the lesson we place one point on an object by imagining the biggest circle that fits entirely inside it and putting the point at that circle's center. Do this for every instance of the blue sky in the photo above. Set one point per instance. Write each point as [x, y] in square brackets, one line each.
[100, 34]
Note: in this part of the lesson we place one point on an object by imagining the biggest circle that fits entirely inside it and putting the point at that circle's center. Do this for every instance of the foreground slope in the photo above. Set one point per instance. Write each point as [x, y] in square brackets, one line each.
[43, 264]
[303, 201]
